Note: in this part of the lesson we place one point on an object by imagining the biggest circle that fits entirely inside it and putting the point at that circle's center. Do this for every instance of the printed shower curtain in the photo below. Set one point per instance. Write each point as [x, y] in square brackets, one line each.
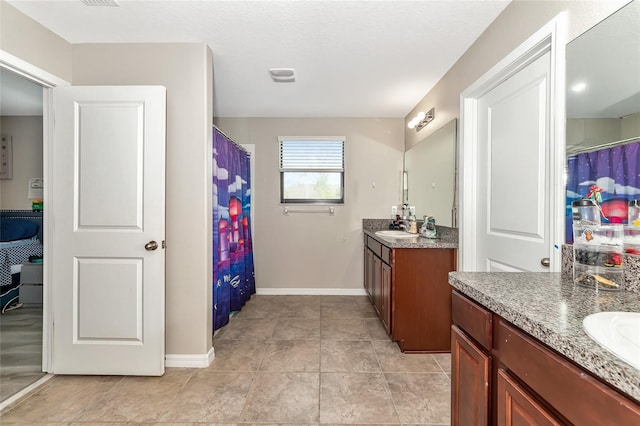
[233, 274]
[611, 176]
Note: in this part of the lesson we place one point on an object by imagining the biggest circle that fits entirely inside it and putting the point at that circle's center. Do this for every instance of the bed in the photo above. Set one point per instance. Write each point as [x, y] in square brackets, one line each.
[20, 242]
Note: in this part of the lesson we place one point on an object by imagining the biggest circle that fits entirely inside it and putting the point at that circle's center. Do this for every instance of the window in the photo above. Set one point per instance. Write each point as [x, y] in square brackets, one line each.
[312, 170]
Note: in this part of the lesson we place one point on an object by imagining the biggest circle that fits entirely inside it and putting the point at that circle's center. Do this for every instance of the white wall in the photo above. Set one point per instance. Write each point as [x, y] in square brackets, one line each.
[316, 250]
[183, 68]
[23, 37]
[26, 132]
[519, 20]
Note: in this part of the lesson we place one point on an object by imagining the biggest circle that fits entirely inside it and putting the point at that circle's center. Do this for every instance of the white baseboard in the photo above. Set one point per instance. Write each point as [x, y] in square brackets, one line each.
[189, 361]
[311, 291]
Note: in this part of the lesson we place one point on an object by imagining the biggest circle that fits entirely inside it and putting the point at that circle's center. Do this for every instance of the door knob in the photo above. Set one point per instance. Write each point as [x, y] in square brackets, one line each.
[545, 262]
[151, 245]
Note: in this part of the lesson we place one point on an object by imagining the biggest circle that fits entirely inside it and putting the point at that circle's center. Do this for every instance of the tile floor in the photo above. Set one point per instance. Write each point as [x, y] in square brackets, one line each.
[20, 350]
[281, 360]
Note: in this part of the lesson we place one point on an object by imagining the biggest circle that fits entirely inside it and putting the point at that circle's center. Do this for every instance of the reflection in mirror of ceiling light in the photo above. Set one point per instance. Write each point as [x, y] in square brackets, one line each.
[579, 87]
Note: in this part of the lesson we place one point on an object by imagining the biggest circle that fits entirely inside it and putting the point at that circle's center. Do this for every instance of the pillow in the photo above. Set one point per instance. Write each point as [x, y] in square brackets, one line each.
[17, 229]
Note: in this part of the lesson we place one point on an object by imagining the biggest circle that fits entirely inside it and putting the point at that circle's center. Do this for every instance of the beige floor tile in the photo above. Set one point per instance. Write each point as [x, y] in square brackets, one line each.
[248, 329]
[347, 311]
[348, 356]
[237, 355]
[355, 398]
[392, 360]
[444, 361]
[293, 300]
[61, 399]
[421, 397]
[297, 329]
[299, 311]
[376, 329]
[283, 398]
[344, 329]
[292, 356]
[210, 397]
[363, 300]
[138, 399]
[340, 299]
[255, 311]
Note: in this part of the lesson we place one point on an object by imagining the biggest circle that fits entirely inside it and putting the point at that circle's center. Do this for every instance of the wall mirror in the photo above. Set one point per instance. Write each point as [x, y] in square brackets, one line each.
[603, 114]
[430, 175]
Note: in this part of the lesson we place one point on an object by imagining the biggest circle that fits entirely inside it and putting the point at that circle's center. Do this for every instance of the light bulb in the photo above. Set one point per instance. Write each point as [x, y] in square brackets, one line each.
[421, 115]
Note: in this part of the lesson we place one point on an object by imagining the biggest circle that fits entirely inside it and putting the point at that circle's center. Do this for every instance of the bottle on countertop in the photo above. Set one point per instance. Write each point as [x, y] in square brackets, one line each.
[428, 229]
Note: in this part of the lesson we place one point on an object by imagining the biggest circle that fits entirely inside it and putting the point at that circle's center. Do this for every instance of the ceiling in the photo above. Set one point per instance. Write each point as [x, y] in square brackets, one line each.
[352, 58]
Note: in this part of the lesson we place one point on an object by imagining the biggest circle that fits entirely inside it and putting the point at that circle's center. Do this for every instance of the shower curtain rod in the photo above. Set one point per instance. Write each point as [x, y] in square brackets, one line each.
[601, 146]
[232, 141]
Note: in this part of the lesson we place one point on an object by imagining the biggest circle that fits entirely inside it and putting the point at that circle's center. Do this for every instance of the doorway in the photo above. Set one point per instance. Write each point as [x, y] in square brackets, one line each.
[516, 107]
[38, 319]
[21, 321]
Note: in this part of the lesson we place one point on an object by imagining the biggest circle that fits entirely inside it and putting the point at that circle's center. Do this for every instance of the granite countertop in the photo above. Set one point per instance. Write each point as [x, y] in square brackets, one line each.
[551, 308]
[447, 237]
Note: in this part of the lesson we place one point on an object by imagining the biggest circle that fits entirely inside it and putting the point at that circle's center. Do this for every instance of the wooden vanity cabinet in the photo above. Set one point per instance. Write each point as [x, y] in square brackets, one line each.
[378, 280]
[409, 289]
[527, 383]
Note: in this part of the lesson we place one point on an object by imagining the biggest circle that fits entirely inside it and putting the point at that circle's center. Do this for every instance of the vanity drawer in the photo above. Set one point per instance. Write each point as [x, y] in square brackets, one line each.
[474, 319]
[386, 255]
[374, 246]
[575, 394]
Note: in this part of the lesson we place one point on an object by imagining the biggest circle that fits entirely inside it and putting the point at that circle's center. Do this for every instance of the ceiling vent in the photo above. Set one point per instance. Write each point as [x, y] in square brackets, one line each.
[100, 3]
[283, 75]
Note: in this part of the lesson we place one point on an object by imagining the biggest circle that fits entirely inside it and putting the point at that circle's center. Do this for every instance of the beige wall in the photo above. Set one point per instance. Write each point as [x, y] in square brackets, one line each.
[631, 126]
[519, 20]
[316, 250]
[23, 37]
[26, 133]
[182, 68]
[587, 132]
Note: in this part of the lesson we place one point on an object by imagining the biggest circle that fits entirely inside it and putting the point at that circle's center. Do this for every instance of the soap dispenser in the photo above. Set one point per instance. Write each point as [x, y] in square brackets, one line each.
[413, 225]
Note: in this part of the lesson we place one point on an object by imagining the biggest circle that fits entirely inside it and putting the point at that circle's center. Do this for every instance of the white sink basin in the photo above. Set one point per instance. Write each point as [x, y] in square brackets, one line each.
[391, 233]
[618, 332]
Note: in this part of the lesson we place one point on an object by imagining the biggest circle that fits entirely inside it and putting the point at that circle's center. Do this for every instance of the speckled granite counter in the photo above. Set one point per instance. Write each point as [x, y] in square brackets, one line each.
[550, 308]
[447, 237]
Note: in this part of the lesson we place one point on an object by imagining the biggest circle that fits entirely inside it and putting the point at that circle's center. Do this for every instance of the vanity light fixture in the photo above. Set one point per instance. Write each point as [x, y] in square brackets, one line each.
[422, 119]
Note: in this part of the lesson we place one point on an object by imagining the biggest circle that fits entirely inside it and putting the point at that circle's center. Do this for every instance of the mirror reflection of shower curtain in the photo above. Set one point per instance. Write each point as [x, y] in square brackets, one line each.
[233, 272]
[611, 175]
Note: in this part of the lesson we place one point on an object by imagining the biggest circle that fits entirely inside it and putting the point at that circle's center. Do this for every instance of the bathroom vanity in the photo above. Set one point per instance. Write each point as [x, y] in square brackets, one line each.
[519, 353]
[406, 281]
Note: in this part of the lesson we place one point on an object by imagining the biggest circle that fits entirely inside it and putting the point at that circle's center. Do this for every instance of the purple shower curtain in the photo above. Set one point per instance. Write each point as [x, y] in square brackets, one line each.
[610, 175]
[233, 273]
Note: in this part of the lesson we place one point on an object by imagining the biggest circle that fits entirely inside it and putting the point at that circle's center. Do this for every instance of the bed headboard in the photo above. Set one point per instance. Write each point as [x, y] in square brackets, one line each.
[35, 217]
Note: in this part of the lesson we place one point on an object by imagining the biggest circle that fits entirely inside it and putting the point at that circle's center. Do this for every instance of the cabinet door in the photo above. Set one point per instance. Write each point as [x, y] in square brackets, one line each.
[470, 373]
[377, 284]
[368, 273]
[517, 407]
[385, 297]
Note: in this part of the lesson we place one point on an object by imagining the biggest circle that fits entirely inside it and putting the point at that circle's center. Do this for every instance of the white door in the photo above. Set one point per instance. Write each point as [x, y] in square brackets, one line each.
[107, 209]
[513, 148]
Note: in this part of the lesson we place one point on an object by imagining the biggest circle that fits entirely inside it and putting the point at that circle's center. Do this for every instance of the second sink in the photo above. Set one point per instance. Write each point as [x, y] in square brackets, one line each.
[618, 332]
[390, 233]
